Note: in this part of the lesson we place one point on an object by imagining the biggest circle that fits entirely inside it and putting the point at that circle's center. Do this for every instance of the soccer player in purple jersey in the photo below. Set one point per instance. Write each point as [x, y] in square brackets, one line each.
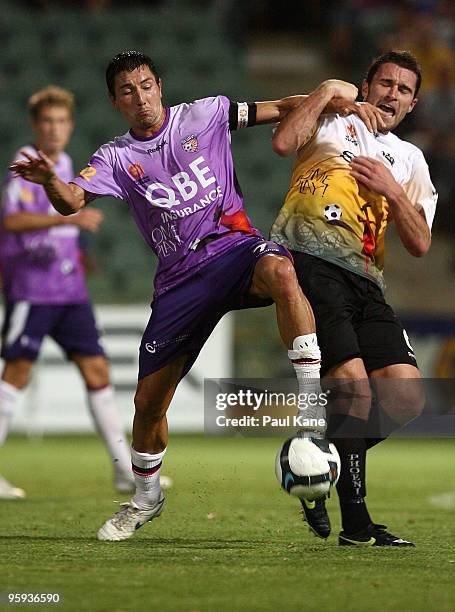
[44, 286]
[175, 171]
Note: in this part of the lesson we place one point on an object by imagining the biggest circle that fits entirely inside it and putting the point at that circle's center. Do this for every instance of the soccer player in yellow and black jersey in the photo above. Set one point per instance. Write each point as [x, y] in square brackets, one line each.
[351, 178]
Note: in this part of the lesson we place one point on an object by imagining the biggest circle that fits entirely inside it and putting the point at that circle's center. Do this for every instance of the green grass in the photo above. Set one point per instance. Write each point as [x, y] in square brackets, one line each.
[253, 554]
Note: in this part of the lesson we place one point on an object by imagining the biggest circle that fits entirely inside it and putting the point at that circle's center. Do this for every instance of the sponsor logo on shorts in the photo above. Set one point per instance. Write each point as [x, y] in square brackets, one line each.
[33, 344]
[409, 345]
[151, 347]
[269, 247]
[190, 144]
[156, 345]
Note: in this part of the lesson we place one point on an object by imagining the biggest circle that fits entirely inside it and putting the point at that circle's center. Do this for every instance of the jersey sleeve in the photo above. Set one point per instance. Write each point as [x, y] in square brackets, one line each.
[98, 177]
[420, 190]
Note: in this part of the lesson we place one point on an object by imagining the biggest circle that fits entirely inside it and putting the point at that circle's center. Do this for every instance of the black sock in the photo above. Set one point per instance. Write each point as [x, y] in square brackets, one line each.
[354, 514]
[351, 484]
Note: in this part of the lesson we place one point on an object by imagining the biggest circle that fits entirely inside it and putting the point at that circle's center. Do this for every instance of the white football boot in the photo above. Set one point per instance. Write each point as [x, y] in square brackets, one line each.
[124, 523]
[9, 491]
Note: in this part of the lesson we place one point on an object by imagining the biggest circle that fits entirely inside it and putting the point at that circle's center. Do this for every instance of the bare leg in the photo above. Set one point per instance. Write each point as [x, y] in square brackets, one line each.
[274, 277]
[153, 396]
[17, 372]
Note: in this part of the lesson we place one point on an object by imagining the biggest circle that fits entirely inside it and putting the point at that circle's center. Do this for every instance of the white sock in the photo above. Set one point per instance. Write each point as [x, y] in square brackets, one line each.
[9, 396]
[107, 420]
[306, 360]
[146, 470]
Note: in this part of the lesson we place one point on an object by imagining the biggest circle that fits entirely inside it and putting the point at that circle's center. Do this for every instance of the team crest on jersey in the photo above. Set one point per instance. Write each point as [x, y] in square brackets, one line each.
[351, 135]
[190, 144]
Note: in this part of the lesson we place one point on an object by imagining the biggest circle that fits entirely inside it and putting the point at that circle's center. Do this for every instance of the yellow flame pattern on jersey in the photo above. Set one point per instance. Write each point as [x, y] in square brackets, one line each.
[326, 213]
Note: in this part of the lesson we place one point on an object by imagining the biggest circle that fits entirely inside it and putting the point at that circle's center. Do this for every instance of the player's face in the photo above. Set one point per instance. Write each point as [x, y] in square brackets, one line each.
[53, 129]
[138, 98]
[392, 90]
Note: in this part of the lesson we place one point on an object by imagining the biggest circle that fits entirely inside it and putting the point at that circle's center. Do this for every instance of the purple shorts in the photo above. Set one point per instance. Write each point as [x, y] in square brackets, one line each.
[72, 326]
[183, 318]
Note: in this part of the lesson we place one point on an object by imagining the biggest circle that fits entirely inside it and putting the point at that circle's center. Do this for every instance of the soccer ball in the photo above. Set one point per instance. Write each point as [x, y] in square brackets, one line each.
[307, 467]
[333, 212]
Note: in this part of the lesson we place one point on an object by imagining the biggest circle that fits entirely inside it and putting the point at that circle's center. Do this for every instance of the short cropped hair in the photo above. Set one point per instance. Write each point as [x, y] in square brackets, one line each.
[129, 61]
[50, 96]
[404, 59]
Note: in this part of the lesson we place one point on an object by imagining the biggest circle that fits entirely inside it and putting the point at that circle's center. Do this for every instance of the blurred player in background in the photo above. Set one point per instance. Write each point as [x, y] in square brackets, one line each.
[174, 168]
[348, 183]
[44, 286]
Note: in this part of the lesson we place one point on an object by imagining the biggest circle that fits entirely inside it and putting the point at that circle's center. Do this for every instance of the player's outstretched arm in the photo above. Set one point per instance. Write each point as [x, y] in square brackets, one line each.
[299, 125]
[275, 111]
[88, 219]
[65, 198]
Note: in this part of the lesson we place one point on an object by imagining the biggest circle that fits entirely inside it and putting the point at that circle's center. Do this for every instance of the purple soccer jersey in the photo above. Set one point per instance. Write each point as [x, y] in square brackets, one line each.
[180, 185]
[44, 266]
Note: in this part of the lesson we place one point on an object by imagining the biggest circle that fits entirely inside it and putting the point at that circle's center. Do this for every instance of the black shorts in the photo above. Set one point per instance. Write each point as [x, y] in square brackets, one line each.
[352, 317]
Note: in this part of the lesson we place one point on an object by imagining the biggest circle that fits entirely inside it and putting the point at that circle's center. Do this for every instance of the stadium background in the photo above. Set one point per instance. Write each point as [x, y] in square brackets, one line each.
[246, 50]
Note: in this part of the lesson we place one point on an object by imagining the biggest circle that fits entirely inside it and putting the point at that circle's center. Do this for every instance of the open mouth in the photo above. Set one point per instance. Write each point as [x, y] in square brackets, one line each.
[389, 110]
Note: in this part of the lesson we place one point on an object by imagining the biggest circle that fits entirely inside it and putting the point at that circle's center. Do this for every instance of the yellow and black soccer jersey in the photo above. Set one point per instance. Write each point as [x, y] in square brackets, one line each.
[328, 214]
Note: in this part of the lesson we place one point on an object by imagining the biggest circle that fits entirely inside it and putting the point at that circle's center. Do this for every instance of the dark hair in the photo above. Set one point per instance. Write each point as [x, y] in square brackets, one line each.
[129, 61]
[400, 58]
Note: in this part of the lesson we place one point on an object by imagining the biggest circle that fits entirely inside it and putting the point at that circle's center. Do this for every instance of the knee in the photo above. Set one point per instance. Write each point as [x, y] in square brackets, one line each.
[407, 403]
[96, 374]
[350, 397]
[280, 278]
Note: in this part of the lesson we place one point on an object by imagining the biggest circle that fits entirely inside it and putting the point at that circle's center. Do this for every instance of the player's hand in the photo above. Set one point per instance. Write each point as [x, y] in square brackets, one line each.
[38, 169]
[375, 176]
[87, 219]
[372, 116]
[341, 89]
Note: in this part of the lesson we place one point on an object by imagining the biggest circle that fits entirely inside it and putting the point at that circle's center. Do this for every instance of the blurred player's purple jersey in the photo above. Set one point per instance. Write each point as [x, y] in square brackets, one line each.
[40, 267]
[180, 185]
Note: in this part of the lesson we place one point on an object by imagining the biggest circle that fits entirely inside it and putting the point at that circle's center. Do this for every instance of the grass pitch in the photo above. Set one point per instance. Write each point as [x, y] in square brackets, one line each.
[229, 539]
